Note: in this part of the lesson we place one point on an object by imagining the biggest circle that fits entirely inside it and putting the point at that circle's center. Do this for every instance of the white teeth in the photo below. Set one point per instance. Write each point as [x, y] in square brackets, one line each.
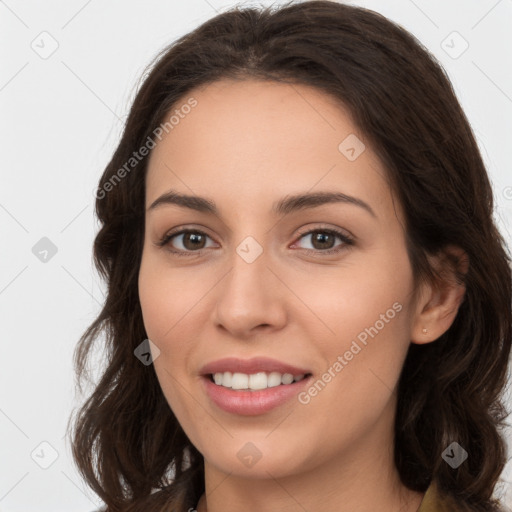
[254, 381]
[273, 379]
[287, 378]
[226, 378]
[257, 381]
[240, 381]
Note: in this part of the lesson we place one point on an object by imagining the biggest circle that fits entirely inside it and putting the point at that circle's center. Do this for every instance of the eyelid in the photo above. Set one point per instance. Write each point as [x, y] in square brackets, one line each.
[339, 231]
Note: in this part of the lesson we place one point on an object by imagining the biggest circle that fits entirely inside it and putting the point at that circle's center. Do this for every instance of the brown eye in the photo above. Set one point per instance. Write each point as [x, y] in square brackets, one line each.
[192, 240]
[324, 240]
[187, 241]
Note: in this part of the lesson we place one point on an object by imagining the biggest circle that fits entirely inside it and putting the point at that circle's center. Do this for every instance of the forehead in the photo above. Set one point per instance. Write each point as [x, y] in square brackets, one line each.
[248, 140]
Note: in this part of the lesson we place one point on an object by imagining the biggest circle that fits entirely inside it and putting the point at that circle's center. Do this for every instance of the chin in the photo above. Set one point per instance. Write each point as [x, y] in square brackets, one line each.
[258, 460]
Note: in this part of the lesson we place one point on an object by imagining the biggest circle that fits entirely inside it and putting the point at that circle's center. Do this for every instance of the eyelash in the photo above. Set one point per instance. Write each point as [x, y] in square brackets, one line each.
[347, 241]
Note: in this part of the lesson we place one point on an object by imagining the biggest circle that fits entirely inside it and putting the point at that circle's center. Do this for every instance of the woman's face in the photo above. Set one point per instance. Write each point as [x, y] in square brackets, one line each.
[253, 280]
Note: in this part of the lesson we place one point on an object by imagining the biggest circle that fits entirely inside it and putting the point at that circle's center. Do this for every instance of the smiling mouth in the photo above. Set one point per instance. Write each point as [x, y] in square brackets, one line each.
[256, 381]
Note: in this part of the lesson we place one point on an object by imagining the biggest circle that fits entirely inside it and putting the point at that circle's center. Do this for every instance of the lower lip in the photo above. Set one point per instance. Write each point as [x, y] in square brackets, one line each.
[252, 403]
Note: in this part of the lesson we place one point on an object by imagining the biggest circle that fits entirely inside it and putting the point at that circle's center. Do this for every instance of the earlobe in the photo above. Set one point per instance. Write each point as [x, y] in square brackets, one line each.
[440, 301]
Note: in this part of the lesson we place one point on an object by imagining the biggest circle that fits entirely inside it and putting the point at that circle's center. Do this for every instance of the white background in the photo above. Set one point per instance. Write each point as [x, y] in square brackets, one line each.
[61, 118]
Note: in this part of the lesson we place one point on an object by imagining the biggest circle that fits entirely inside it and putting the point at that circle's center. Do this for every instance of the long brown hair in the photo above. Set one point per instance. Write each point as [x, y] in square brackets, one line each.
[126, 441]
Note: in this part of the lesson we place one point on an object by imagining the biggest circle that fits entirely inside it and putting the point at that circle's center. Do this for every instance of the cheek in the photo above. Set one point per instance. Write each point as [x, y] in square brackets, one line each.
[161, 313]
[172, 302]
[164, 312]
[361, 331]
[373, 324]
[366, 294]
[168, 297]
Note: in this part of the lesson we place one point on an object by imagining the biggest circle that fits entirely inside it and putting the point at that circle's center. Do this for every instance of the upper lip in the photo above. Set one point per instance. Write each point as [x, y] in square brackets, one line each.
[250, 366]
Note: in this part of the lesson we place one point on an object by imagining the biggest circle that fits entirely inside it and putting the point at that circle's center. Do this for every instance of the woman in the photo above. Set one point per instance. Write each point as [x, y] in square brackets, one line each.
[246, 370]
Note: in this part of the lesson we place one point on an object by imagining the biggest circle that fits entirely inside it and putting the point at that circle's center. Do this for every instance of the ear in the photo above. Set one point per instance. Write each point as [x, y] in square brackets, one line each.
[438, 302]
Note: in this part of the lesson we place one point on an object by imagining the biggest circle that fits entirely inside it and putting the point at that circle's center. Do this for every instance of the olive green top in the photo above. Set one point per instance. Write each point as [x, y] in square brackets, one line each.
[432, 501]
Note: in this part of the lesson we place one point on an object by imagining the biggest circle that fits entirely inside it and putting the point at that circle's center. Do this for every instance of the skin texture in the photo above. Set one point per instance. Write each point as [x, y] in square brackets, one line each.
[245, 145]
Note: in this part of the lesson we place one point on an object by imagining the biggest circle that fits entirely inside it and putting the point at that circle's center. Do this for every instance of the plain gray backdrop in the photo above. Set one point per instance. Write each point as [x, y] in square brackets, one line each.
[68, 75]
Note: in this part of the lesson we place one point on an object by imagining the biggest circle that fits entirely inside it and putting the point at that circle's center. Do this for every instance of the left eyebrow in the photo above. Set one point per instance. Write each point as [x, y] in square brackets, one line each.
[304, 201]
[284, 206]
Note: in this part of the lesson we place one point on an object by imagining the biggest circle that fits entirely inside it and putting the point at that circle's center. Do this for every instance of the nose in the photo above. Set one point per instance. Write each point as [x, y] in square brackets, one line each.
[250, 299]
